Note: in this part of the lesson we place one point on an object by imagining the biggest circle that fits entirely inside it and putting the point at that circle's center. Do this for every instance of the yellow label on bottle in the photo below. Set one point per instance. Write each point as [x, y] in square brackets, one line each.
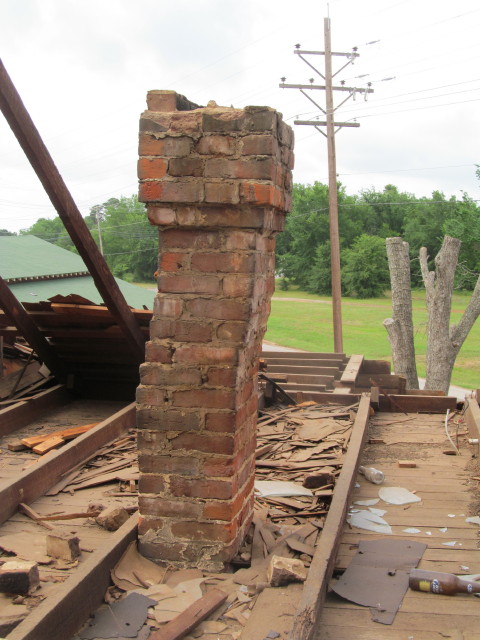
[424, 585]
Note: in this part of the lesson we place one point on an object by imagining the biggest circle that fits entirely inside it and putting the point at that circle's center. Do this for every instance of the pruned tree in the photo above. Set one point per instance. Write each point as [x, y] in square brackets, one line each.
[400, 326]
[445, 341]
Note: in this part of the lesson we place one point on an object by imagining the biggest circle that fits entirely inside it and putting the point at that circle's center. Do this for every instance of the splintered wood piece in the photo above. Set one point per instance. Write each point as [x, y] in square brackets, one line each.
[64, 547]
[193, 615]
[66, 434]
[31, 513]
[19, 576]
[407, 464]
[48, 445]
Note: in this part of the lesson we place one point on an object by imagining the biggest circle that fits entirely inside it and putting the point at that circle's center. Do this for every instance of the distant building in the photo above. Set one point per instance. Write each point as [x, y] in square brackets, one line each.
[37, 270]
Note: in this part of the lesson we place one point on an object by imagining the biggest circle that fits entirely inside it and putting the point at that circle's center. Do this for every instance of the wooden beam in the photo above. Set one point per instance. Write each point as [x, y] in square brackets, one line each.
[351, 371]
[306, 620]
[27, 327]
[18, 415]
[375, 366]
[61, 615]
[418, 404]
[328, 397]
[472, 417]
[29, 138]
[34, 482]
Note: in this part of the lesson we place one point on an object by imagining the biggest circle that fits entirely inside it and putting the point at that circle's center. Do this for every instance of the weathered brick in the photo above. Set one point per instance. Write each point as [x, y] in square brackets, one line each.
[157, 353]
[221, 192]
[207, 443]
[223, 262]
[151, 483]
[177, 191]
[232, 331]
[190, 239]
[259, 145]
[186, 122]
[254, 169]
[218, 309]
[161, 464]
[185, 167]
[167, 419]
[154, 122]
[189, 284]
[216, 145]
[160, 550]
[223, 422]
[208, 531]
[169, 307]
[257, 193]
[151, 168]
[224, 467]
[173, 508]
[151, 395]
[153, 374]
[221, 377]
[172, 261]
[201, 354]
[260, 119]
[204, 398]
[170, 147]
[243, 218]
[181, 330]
[162, 100]
[198, 488]
[240, 240]
[237, 286]
[158, 216]
[223, 121]
[146, 523]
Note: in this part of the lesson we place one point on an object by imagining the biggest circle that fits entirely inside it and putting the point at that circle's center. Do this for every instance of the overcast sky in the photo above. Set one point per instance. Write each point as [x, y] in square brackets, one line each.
[83, 68]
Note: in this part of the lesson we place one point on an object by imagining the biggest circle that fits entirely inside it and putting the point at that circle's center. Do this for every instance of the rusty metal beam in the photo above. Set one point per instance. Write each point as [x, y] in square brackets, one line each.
[29, 138]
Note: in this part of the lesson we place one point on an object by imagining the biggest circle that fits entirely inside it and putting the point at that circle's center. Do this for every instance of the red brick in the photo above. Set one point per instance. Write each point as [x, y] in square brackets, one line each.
[151, 373]
[145, 524]
[225, 467]
[204, 399]
[169, 307]
[234, 331]
[221, 377]
[221, 192]
[229, 120]
[150, 395]
[168, 508]
[200, 354]
[255, 193]
[178, 191]
[247, 218]
[151, 168]
[157, 464]
[216, 145]
[198, 488]
[219, 309]
[166, 419]
[189, 284]
[208, 531]
[237, 286]
[260, 119]
[162, 100]
[259, 145]
[190, 239]
[154, 122]
[186, 122]
[247, 169]
[220, 422]
[182, 331]
[172, 261]
[161, 551]
[223, 262]
[185, 167]
[240, 240]
[207, 443]
[151, 483]
[157, 353]
[222, 509]
[158, 216]
[170, 147]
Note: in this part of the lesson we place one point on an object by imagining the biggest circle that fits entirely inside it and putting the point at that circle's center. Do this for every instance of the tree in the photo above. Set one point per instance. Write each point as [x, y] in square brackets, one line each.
[365, 268]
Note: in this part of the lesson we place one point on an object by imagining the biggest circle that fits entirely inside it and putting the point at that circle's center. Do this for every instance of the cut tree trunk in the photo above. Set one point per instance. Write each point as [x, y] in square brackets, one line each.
[444, 342]
[400, 326]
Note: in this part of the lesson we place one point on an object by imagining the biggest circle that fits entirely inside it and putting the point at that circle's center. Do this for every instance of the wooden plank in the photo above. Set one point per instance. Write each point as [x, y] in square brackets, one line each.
[328, 398]
[47, 445]
[34, 482]
[70, 432]
[29, 138]
[351, 371]
[60, 616]
[191, 617]
[414, 404]
[472, 417]
[320, 362]
[375, 366]
[29, 330]
[385, 380]
[302, 355]
[321, 569]
[20, 414]
[288, 369]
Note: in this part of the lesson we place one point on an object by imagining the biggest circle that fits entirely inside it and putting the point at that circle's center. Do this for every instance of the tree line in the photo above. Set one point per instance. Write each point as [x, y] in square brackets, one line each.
[130, 244]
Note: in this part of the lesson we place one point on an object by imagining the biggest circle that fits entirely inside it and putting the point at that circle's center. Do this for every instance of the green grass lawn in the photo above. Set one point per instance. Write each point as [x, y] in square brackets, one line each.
[308, 325]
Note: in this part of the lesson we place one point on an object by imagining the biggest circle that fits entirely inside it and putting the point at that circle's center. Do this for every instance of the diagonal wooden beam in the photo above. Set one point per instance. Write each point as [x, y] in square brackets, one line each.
[29, 138]
[29, 330]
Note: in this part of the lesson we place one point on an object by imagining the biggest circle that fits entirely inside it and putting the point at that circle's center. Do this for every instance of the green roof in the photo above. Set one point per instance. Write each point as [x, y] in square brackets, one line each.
[31, 257]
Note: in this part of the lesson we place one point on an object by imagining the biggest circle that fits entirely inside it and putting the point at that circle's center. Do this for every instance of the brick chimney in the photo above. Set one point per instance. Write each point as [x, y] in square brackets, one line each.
[217, 184]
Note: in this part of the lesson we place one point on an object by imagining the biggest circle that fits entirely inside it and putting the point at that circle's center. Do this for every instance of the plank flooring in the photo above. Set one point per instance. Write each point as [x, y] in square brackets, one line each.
[449, 493]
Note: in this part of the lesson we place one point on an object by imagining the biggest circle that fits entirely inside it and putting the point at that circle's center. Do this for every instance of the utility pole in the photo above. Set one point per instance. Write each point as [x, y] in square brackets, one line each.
[331, 129]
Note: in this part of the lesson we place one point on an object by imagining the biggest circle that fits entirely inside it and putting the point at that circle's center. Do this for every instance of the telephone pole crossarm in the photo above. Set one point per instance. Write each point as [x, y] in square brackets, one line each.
[323, 123]
[322, 53]
[323, 87]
